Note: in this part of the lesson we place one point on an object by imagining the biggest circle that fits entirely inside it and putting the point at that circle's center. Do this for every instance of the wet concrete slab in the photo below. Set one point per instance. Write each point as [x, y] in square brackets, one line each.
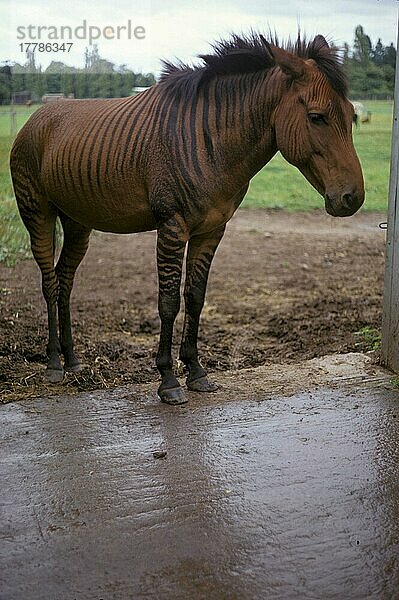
[115, 496]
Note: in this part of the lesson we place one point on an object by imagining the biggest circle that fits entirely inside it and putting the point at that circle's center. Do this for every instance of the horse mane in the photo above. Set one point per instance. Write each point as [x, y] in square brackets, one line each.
[251, 54]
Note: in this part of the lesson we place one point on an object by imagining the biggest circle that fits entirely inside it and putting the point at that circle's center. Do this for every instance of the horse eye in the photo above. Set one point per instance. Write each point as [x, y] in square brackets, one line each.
[317, 118]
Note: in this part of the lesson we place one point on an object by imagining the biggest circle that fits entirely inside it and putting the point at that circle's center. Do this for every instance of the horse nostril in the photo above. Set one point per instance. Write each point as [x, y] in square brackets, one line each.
[343, 204]
[351, 202]
[347, 200]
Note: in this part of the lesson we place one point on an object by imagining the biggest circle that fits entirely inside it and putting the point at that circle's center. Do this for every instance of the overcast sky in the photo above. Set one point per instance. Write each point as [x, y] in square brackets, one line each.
[178, 28]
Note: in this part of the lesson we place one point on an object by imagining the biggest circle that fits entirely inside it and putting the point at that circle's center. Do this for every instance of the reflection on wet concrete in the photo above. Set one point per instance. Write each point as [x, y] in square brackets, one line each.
[277, 498]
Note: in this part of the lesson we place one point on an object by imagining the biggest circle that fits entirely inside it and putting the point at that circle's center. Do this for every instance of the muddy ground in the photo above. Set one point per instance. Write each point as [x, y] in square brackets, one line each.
[284, 287]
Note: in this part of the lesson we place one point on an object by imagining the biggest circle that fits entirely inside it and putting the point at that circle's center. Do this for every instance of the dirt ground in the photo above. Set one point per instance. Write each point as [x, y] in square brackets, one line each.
[284, 287]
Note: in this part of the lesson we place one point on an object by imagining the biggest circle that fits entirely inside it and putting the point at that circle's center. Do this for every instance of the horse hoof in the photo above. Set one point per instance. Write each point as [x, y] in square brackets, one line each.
[54, 375]
[202, 384]
[173, 396]
[74, 368]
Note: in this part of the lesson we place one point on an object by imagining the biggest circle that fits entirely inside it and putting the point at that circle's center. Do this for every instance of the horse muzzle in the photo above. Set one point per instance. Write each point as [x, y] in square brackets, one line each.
[343, 204]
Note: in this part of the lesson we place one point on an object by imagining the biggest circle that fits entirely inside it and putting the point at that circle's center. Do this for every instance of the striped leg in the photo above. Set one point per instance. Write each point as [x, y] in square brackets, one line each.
[76, 241]
[170, 253]
[201, 250]
[40, 222]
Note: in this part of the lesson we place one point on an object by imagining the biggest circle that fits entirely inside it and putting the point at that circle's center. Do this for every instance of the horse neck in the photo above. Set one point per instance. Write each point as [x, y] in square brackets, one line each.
[239, 121]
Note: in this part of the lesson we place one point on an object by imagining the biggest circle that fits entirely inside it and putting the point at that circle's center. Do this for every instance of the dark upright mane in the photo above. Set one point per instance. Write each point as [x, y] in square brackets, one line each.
[326, 58]
[249, 54]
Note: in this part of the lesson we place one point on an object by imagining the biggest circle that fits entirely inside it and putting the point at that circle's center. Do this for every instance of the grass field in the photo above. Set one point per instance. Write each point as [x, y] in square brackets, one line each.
[278, 185]
[14, 240]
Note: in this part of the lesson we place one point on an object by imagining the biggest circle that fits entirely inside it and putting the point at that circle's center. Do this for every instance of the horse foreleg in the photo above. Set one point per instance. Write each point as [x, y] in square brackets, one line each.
[171, 244]
[76, 241]
[201, 250]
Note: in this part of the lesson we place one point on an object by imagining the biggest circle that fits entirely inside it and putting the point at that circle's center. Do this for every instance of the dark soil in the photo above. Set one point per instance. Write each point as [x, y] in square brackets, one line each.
[283, 287]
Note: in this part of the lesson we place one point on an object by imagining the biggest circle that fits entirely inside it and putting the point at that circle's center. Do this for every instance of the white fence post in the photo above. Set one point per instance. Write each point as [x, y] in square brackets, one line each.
[390, 320]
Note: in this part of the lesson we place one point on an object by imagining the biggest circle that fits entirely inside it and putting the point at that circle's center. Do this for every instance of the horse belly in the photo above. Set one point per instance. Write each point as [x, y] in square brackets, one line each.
[133, 221]
[116, 204]
[116, 212]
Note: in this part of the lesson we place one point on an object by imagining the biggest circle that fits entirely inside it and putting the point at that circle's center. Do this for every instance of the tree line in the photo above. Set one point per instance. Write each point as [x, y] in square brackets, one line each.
[99, 78]
[370, 68]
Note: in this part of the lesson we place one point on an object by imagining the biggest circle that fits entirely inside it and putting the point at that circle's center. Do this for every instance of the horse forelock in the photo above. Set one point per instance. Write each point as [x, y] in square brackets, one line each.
[328, 62]
[250, 54]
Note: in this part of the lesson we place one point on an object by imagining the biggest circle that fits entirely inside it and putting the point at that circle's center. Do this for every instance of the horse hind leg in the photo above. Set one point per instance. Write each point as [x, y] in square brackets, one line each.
[39, 219]
[76, 241]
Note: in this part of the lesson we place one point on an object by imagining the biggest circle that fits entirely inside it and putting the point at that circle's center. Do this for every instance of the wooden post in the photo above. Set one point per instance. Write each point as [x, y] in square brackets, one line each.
[390, 319]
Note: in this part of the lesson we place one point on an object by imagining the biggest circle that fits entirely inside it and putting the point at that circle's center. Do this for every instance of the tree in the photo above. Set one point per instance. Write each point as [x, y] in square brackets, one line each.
[362, 52]
[390, 56]
[145, 79]
[378, 53]
[53, 82]
[370, 70]
[345, 58]
[5, 84]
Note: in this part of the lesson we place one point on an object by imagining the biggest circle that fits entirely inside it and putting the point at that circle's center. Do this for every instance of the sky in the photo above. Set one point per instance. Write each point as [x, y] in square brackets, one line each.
[177, 28]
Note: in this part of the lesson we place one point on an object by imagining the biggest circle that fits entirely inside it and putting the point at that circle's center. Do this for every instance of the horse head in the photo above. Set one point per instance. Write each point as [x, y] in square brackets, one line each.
[313, 127]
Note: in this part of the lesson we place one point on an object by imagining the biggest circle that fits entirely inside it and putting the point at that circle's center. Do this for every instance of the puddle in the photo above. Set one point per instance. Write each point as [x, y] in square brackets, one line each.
[278, 498]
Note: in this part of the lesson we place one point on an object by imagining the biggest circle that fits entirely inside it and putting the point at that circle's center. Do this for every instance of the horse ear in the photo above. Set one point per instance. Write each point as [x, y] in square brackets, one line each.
[320, 42]
[289, 63]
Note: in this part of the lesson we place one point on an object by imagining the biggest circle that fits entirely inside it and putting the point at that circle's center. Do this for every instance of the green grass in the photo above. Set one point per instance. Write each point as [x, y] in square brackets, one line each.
[371, 337]
[278, 185]
[395, 382]
[14, 239]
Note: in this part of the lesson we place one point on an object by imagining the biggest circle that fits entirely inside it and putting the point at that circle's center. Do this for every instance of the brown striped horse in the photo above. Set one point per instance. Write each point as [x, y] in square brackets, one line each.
[178, 158]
